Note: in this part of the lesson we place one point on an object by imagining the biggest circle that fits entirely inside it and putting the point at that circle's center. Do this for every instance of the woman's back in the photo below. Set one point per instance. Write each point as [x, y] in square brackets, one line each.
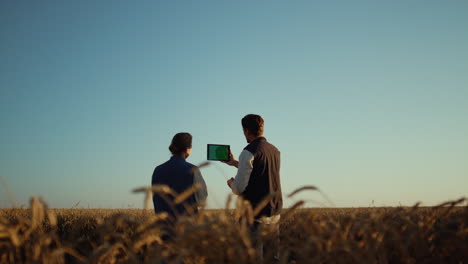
[178, 174]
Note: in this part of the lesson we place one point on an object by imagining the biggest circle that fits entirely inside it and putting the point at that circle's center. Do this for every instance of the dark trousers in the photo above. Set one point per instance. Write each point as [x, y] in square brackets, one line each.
[268, 246]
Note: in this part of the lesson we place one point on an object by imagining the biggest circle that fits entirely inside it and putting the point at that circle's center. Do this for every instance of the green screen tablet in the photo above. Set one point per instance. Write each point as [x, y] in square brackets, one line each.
[218, 152]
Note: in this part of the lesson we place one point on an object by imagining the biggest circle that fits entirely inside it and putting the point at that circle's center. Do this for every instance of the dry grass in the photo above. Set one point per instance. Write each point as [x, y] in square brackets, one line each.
[364, 235]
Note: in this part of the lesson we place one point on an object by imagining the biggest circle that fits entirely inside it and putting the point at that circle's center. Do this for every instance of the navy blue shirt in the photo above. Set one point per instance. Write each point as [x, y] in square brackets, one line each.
[179, 175]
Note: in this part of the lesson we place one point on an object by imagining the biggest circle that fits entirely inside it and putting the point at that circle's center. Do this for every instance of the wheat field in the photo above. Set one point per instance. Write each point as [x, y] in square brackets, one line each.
[307, 235]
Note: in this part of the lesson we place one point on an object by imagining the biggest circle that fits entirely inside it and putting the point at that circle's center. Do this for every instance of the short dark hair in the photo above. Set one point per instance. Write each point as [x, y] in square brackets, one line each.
[180, 143]
[254, 123]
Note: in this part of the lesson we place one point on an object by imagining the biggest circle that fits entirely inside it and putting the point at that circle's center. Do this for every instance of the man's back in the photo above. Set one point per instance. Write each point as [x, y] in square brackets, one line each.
[258, 178]
[265, 176]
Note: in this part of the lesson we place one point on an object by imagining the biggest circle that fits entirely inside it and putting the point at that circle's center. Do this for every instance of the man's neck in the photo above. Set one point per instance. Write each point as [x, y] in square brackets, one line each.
[253, 138]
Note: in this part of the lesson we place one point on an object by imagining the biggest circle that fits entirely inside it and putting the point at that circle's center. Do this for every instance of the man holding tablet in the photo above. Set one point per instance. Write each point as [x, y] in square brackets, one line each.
[258, 174]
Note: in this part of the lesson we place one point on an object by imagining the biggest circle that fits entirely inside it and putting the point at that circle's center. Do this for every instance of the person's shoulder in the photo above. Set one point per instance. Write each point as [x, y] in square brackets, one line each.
[248, 150]
[271, 146]
[275, 148]
[162, 165]
[158, 170]
[251, 147]
[190, 165]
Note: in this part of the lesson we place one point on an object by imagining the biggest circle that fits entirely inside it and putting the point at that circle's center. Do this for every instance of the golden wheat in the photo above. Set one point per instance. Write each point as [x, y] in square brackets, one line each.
[330, 235]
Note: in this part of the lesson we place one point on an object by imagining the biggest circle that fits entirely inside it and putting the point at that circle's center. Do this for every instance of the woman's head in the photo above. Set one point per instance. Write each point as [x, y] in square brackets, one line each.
[181, 144]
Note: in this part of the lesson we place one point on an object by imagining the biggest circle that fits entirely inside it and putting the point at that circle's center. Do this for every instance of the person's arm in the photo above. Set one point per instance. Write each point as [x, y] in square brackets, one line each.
[244, 169]
[202, 193]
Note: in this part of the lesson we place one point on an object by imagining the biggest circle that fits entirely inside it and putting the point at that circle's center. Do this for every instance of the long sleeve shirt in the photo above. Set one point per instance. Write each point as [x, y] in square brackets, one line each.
[202, 193]
[244, 170]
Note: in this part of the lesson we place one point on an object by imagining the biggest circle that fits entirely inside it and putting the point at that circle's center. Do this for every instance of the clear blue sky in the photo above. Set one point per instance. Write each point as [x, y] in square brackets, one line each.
[368, 100]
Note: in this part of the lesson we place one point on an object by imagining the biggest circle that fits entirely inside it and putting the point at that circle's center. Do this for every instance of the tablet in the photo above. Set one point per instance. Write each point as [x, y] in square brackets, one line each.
[218, 152]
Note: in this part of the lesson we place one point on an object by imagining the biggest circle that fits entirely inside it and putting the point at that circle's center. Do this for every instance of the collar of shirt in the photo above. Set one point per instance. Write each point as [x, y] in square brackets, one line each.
[177, 157]
[261, 138]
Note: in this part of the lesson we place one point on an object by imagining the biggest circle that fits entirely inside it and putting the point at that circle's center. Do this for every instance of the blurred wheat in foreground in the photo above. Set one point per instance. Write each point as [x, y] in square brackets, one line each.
[364, 235]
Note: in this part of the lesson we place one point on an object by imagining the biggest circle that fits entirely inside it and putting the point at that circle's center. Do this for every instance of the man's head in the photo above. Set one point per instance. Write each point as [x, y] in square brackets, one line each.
[253, 127]
[181, 145]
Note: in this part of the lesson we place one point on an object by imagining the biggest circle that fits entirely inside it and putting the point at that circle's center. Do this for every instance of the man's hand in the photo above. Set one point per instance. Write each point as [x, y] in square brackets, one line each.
[232, 161]
[229, 182]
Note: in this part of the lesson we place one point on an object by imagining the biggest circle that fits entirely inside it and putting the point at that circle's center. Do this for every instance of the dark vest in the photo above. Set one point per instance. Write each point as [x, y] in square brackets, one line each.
[178, 175]
[265, 177]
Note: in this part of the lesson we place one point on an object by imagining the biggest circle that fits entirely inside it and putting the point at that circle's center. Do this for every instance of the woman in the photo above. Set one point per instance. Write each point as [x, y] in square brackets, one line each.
[179, 175]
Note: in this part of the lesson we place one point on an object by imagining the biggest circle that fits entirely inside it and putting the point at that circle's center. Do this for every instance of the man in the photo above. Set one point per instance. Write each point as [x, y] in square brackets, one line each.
[258, 173]
[179, 175]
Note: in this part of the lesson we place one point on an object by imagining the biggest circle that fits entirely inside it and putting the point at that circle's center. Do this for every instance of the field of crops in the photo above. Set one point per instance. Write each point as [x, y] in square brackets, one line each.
[361, 235]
